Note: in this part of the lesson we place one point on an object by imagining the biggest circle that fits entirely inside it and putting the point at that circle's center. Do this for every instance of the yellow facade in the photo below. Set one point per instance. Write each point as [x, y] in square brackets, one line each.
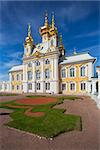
[77, 79]
[17, 84]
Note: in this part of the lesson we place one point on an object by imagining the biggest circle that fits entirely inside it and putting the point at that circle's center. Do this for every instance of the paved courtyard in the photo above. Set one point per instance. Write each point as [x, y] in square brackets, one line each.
[87, 139]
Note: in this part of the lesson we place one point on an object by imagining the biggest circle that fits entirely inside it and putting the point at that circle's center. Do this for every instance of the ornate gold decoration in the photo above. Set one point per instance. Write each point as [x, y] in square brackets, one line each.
[37, 54]
[29, 39]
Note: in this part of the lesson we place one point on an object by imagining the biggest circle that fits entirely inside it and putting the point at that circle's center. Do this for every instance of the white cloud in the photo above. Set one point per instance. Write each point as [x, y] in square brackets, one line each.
[75, 12]
[90, 34]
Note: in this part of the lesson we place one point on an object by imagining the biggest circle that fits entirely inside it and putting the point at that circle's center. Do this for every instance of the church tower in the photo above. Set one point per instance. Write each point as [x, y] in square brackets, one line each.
[53, 33]
[44, 30]
[28, 45]
[61, 47]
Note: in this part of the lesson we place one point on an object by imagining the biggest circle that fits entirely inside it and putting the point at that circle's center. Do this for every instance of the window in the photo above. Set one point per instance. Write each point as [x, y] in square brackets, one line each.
[52, 42]
[17, 76]
[38, 86]
[17, 87]
[72, 86]
[63, 86]
[82, 71]
[21, 76]
[37, 74]
[5, 86]
[37, 63]
[29, 75]
[72, 72]
[30, 86]
[29, 64]
[47, 74]
[12, 77]
[47, 86]
[83, 86]
[47, 62]
[12, 87]
[63, 73]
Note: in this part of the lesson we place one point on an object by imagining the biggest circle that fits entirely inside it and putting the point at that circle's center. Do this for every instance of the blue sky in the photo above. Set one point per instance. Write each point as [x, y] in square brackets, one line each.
[78, 22]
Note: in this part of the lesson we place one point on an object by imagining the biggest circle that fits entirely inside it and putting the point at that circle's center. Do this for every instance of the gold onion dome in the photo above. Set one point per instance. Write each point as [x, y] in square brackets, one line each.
[53, 29]
[29, 39]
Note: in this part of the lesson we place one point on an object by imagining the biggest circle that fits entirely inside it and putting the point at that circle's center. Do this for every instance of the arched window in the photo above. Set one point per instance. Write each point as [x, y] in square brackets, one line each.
[82, 71]
[29, 75]
[37, 63]
[72, 72]
[47, 73]
[63, 73]
[17, 76]
[47, 61]
[29, 64]
[37, 74]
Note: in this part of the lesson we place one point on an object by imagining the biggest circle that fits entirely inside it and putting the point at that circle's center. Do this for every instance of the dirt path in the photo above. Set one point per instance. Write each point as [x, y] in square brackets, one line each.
[88, 139]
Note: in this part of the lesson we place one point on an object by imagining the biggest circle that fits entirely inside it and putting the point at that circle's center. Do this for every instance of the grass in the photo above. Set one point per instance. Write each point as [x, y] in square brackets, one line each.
[50, 125]
[8, 94]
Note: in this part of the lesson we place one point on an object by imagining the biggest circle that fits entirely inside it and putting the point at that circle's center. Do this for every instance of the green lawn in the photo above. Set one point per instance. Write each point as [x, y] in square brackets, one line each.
[51, 124]
[8, 94]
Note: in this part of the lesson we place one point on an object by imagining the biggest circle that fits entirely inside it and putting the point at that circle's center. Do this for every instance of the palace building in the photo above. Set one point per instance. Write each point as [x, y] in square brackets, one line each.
[46, 69]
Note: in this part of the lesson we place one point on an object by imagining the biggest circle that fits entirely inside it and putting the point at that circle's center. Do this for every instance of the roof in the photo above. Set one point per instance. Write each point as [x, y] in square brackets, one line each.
[16, 68]
[78, 57]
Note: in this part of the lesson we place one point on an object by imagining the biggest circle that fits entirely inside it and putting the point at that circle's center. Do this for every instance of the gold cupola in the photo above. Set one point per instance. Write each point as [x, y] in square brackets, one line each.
[29, 39]
[44, 30]
[53, 29]
[61, 46]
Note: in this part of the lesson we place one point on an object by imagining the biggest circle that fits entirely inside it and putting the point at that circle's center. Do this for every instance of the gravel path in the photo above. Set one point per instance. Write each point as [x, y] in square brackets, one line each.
[88, 139]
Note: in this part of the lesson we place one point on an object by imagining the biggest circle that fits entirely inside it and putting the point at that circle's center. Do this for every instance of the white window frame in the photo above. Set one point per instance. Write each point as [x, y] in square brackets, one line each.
[63, 72]
[47, 73]
[47, 61]
[84, 72]
[47, 86]
[17, 77]
[37, 63]
[29, 64]
[65, 87]
[82, 84]
[29, 76]
[74, 88]
[38, 86]
[29, 86]
[74, 72]
[38, 75]
[17, 87]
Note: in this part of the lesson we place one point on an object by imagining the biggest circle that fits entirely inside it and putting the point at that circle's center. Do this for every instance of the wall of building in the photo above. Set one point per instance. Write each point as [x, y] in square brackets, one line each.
[16, 81]
[77, 79]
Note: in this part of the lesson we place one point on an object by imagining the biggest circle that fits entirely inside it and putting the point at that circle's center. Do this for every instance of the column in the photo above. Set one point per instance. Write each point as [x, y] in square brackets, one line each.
[25, 88]
[42, 76]
[10, 79]
[33, 80]
[93, 87]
